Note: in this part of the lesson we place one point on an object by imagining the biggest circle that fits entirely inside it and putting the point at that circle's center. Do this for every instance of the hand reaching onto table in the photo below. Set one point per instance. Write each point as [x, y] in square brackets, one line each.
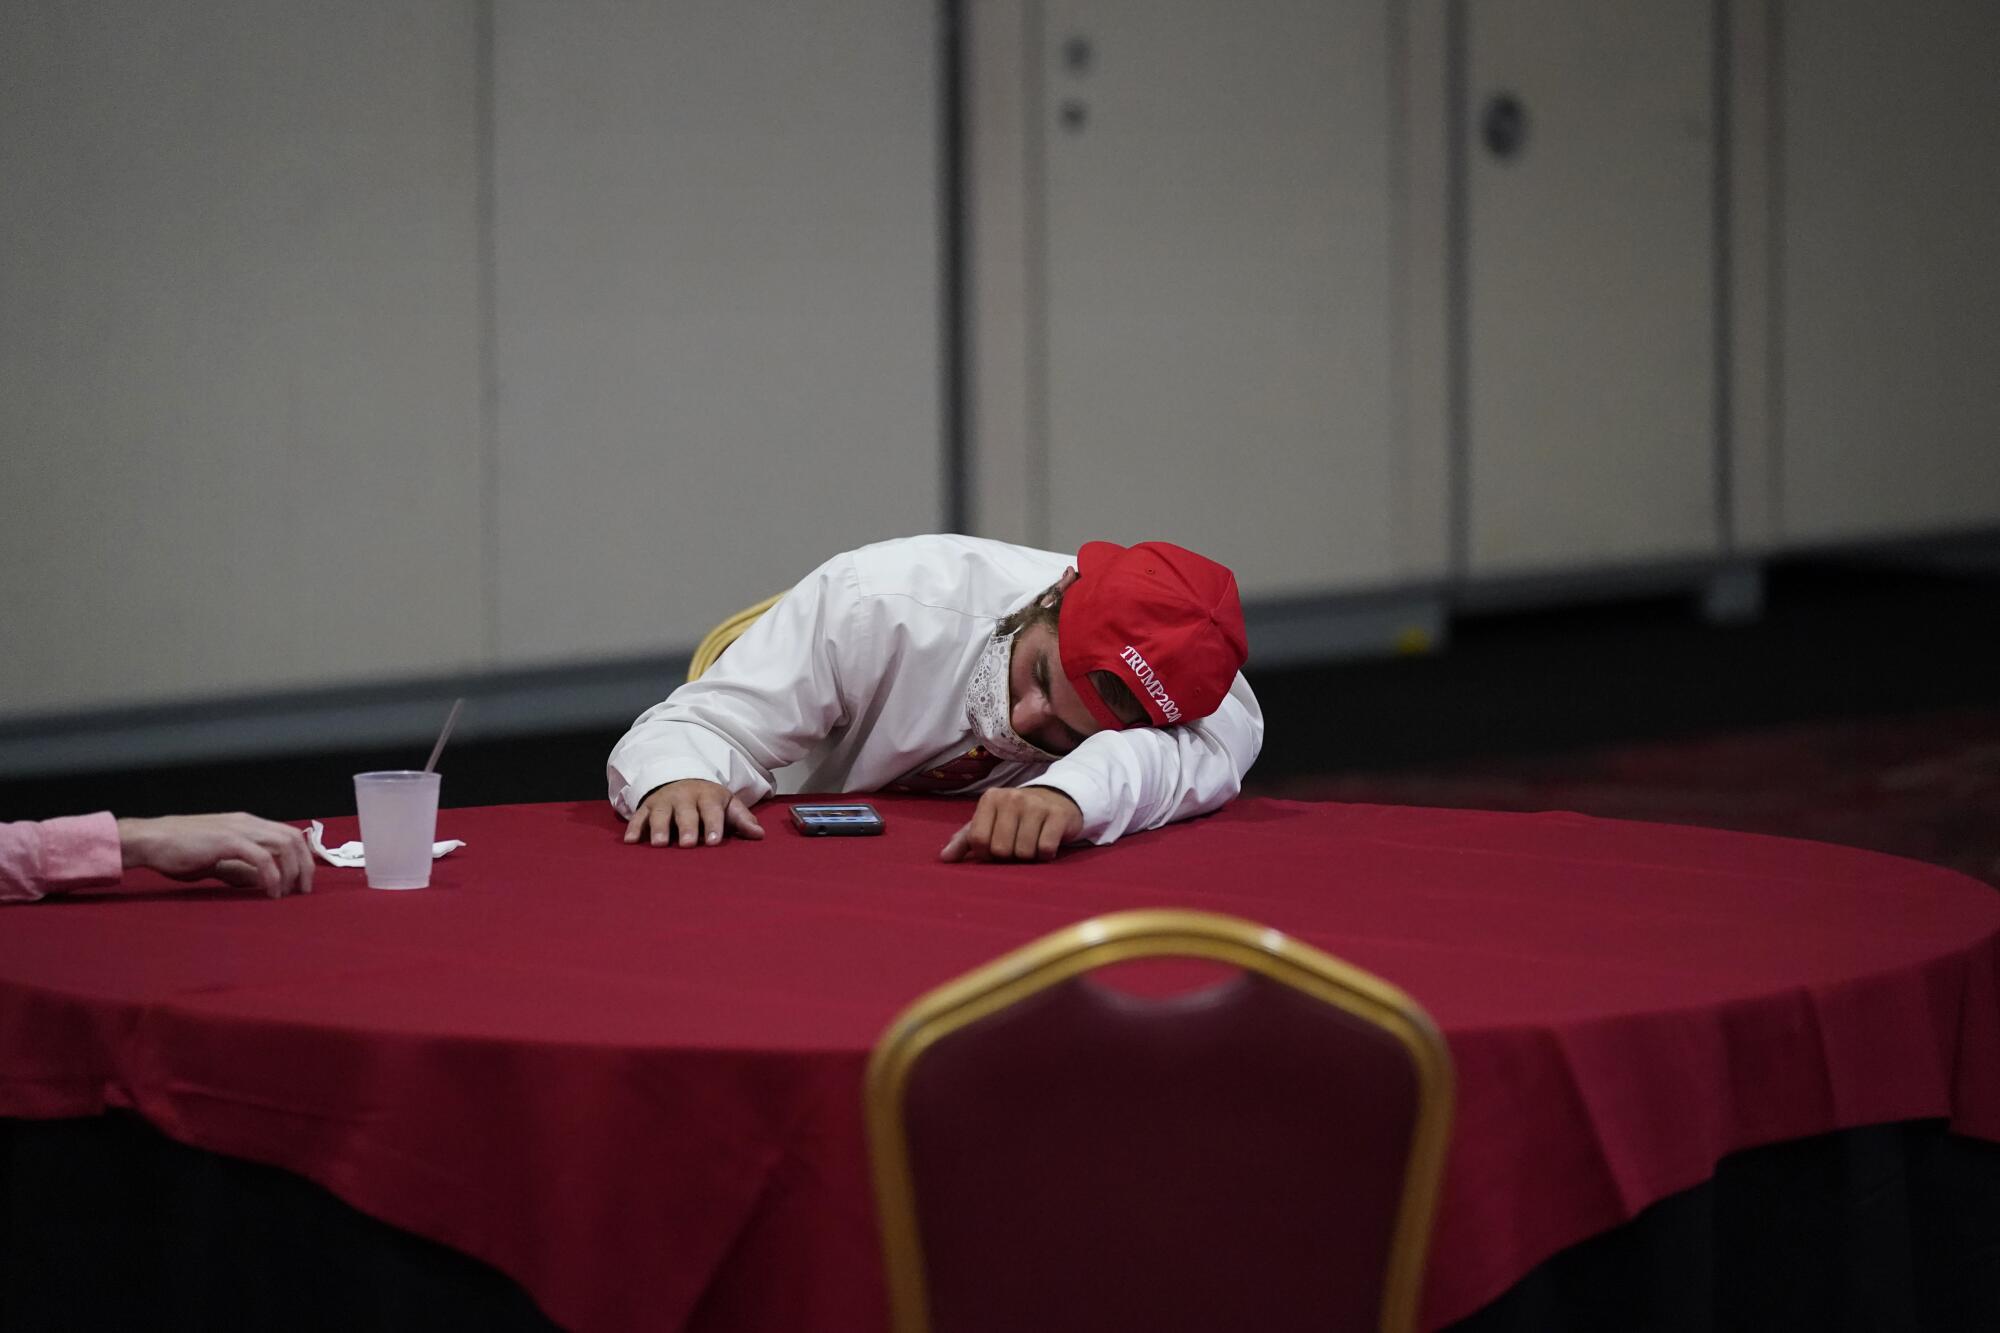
[1016, 824]
[237, 849]
[690, 813]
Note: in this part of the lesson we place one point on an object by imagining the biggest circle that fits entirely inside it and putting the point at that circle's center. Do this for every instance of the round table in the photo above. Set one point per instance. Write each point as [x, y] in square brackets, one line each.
[630, 1078]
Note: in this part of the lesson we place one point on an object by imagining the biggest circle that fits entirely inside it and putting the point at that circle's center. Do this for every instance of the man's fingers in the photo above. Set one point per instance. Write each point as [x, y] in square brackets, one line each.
[690, 812]
[300, 880]
[710, 809]
[307, 867]
[979, 833]
[665, 815]
[269, 877]
[290, 851]
[1028, 834]
[742, 821]
[270, 856]
[1051, 841]
[287, 863]
[251, 832]
[1000, 842]
[1015, 824]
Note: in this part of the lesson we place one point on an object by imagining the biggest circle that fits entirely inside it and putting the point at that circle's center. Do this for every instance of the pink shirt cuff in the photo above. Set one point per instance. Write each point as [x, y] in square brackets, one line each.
[80, 850]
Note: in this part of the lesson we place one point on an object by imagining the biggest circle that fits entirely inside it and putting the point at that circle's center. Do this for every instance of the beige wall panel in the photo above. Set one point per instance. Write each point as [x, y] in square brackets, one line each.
[1421, 358]
[1889, 285]
[716, 255]
[1218, 283]
[238, 347]
[1003, 162]
[1590, 287]
[1752, 329]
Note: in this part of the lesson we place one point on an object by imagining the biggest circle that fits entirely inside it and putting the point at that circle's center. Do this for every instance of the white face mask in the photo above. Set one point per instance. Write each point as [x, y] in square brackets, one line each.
[989, 704]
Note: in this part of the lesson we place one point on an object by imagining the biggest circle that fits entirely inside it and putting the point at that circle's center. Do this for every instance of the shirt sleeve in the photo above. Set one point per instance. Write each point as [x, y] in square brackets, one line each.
[56, 855]
[1143, 777]
[765, 702]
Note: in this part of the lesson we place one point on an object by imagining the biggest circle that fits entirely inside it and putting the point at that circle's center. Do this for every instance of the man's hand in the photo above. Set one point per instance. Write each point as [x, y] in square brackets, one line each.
[1016, 824]
[237, 849]
[698, 811]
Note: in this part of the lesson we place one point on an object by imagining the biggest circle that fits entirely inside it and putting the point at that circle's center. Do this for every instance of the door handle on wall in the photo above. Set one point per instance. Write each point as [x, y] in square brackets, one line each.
[1077, 57]
[1503, 126]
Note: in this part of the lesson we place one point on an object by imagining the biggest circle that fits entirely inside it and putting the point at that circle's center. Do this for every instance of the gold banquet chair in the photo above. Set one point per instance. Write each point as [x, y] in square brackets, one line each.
[725, 634]
[1263, 1153]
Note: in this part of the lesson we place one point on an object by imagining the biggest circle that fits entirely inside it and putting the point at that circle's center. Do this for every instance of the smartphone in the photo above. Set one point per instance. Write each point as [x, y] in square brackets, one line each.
[839, 821]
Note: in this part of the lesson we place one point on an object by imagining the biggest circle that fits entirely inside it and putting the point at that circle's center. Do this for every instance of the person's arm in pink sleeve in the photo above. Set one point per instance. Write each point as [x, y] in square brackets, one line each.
[240, 849]
[56, 855]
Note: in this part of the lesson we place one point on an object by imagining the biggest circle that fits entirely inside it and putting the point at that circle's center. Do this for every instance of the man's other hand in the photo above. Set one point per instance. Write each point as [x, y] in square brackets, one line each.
[237, 849]
[1016, 824]
[689, 813]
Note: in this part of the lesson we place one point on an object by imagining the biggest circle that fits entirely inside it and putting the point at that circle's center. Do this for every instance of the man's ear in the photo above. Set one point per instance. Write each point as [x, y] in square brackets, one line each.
[1062, 584]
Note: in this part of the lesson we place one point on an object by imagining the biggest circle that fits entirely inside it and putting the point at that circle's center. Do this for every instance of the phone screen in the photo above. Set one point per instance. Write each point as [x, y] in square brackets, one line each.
[858, 819]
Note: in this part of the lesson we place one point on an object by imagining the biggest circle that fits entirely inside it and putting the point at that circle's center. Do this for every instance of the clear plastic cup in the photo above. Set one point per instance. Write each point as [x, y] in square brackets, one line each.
[398, 825]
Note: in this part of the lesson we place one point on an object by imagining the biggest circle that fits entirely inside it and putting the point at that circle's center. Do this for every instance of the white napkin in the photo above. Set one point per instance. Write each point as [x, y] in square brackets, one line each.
[350, 853]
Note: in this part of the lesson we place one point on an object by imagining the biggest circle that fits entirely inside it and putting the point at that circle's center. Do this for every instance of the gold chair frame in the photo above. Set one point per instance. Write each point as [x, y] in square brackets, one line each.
[1153, 934]
[723, 635]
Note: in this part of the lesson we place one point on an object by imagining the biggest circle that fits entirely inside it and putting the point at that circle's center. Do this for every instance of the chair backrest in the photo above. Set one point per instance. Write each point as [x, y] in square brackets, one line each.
[725, 634]
[1263, 1153]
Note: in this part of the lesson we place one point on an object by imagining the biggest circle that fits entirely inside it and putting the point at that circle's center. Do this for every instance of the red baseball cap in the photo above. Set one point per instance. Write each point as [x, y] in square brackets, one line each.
[1166, 621]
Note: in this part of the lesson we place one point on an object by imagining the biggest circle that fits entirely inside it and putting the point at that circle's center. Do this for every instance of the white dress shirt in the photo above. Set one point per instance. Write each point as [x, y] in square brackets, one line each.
[857, 678]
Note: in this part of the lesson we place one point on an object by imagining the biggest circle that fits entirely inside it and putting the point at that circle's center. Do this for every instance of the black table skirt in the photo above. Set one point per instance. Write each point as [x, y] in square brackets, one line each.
[105, 1223]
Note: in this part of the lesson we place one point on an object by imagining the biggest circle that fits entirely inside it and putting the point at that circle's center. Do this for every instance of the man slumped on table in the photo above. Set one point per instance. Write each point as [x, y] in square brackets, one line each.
[1084, 699]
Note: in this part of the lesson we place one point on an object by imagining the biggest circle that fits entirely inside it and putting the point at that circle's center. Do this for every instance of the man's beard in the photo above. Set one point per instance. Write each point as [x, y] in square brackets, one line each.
[989, 706]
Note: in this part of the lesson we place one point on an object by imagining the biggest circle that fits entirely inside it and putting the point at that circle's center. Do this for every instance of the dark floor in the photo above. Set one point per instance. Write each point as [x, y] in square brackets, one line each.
[1923, 785]
[1862, 707]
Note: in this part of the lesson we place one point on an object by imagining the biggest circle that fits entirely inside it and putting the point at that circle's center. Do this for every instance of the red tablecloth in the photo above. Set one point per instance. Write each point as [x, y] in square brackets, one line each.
[631, 1078]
